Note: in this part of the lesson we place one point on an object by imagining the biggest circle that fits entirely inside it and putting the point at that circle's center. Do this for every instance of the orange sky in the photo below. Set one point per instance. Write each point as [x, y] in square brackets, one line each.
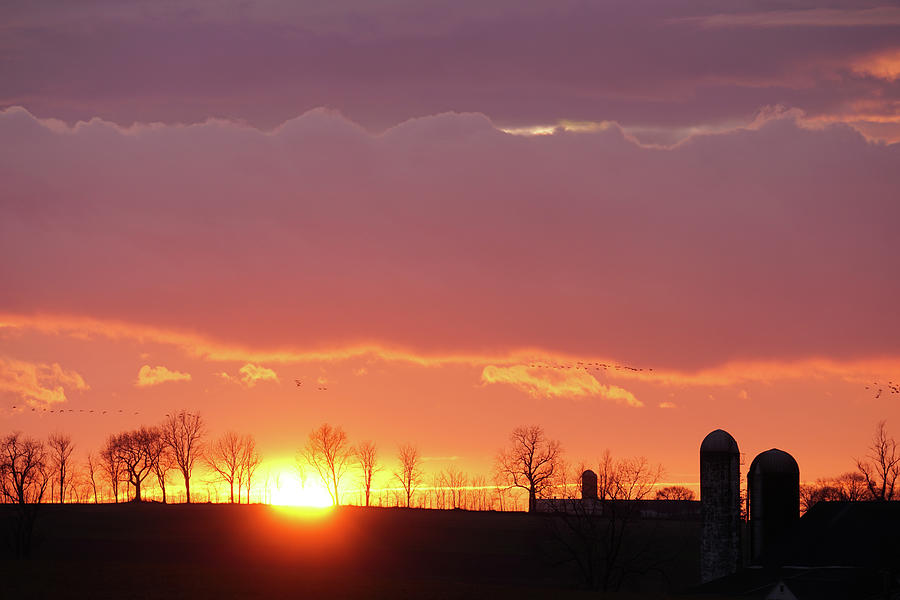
[458, 409]
[450, 222]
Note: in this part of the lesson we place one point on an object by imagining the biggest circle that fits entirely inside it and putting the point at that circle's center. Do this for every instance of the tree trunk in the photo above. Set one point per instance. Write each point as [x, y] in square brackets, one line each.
[532, 500]
[187, 488]
[137, 492]
[232, 493]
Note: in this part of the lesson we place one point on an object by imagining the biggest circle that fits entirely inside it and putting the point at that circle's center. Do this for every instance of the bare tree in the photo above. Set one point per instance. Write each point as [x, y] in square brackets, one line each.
[594, 534]
[183, 433]
[633, 478]
[224, 459]
[367, 455]
[881, 466]
[328, 452]
[250, 461]
[847, 487]
[61, 447]
[92, 467]
[455, 481]
[24, 475]
[410, 473]
[530, 462]
[137, 452]
[674, 492]
[112, 465]
[851, 486]
[163, 462]
[480, 495]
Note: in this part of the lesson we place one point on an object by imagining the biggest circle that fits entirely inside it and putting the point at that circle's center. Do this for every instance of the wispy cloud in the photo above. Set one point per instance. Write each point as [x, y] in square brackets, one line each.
[549, 383]
[149, 376]
[815, 17]
[250, 374]
[38, 384]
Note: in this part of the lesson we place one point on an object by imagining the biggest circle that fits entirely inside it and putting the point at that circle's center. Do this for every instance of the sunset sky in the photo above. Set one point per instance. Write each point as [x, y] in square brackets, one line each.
[443, 216]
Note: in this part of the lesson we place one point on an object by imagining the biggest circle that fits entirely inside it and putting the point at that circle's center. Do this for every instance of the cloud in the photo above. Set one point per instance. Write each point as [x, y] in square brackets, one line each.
[667, 405]
[881, 16]
[444, 239]
[150, 376]
[885, 66]
[250, 374]
[551, 383]
[38, 384]
[674, 65]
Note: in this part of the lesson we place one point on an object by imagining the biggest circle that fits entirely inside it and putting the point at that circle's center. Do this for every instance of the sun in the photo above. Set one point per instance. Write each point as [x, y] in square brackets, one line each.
[291, 492]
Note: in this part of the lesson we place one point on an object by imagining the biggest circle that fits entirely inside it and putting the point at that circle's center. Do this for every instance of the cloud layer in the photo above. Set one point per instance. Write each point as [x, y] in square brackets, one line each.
[444, 235]
[656, 66]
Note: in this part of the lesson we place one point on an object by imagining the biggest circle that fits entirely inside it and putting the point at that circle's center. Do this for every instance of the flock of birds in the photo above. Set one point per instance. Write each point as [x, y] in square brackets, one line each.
[60, 411]
[586, 366]
[891, 387]
[320, 388]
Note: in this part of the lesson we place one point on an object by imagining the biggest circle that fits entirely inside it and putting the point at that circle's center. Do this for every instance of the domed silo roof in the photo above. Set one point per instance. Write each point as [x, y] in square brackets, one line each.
[719, 441]
[772, 462]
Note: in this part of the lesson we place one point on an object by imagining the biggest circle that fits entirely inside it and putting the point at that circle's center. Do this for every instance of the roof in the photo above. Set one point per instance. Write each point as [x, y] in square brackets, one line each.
[774, 461]
[719, 441]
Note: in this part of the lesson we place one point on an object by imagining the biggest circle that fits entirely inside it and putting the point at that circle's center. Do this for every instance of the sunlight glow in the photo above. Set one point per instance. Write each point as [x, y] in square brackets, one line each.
[291, 492]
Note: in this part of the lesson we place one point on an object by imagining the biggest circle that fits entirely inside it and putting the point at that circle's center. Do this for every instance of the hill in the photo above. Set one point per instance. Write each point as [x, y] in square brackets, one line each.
[259, 551]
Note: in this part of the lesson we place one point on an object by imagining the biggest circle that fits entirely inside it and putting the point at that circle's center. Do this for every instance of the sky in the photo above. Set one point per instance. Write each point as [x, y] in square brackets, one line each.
[431, 222]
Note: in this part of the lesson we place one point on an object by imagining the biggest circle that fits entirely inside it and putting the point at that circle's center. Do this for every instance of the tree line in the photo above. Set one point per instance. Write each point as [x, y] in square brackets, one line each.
[531, 463]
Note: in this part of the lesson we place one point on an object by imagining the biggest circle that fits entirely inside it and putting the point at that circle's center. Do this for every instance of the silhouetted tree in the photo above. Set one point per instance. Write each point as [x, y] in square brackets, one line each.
[183, 433]
[137, 451]
[328, 452]
[847, 487]
[60, 450]
[250, 461]
[163, 462]
[410, 473]
[455, 482]
[92, 468]
[224, 459]
[881, 465]
[24, 475]
[367, 455]
[112, 465]
[595, 534]
[674, 492]
[531, 462]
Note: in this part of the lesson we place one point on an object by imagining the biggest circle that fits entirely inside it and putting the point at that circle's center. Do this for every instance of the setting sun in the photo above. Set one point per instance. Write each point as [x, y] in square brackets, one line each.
[290, 491]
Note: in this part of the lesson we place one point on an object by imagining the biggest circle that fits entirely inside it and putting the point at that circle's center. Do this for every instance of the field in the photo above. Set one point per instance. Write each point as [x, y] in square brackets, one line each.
[258, 551]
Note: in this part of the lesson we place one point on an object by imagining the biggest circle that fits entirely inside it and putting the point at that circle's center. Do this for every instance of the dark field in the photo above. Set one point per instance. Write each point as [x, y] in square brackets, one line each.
[226, 551]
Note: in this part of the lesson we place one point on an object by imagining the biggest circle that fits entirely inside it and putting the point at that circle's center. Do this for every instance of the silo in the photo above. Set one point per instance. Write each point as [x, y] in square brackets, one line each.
[773, 488]
[588, 485]
[720, 505]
